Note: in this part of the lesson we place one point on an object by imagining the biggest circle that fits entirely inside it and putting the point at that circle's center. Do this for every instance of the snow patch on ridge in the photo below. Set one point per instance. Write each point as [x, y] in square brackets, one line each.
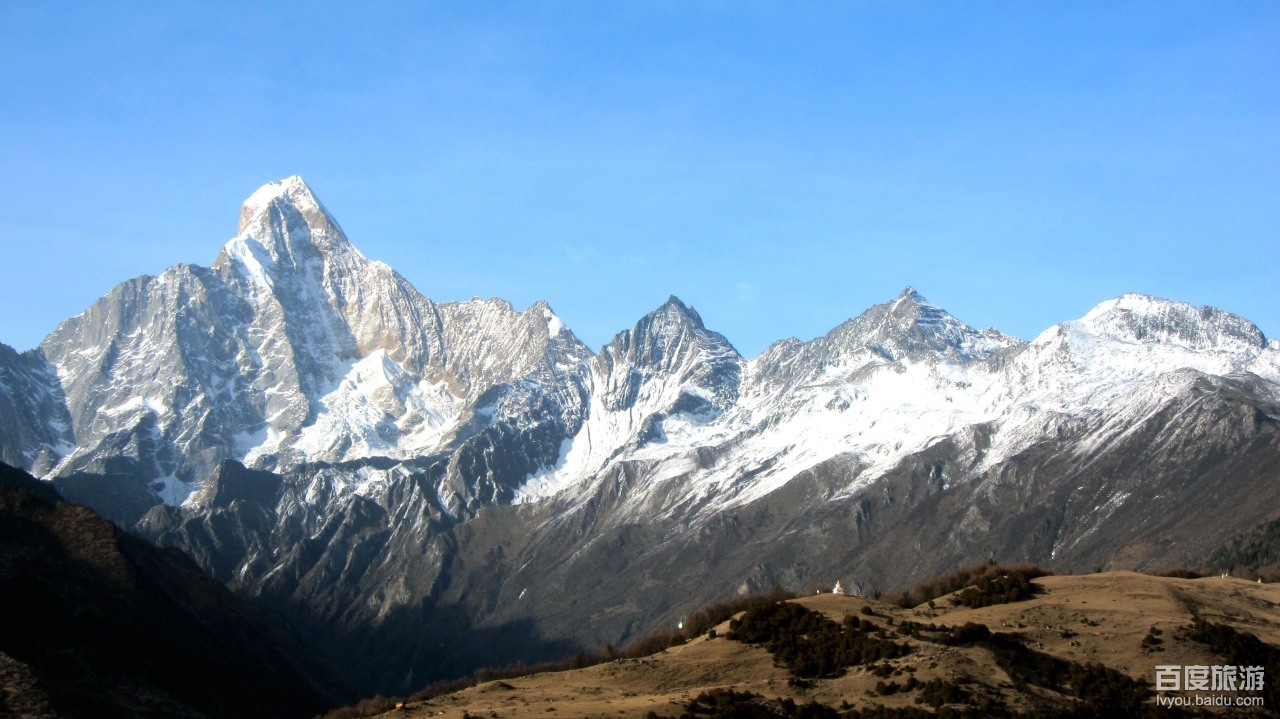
[378, 409]
[554, 325]
[252, 260]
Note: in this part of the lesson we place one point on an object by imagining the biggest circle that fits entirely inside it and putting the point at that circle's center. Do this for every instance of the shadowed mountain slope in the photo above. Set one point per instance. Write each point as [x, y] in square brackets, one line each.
[101, 624]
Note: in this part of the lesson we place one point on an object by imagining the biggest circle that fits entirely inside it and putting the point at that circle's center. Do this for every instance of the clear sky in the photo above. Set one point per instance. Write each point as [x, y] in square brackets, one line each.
[780, 166]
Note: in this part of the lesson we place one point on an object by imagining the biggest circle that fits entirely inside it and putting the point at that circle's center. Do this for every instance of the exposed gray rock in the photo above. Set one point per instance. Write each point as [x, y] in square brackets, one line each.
[35, 426]
[295, 348]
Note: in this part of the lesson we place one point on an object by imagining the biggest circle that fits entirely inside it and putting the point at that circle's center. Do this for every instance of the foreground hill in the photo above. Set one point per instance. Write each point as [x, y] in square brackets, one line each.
[99, 624]
[1128, 623]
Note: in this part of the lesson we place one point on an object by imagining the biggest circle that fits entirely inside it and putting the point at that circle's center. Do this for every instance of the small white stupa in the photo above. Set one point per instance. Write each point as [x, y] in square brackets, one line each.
[838, 589]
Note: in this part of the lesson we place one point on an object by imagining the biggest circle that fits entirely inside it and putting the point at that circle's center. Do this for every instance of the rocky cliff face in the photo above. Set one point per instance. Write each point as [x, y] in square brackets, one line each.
[409, 480]
[295, 348]
[35, 426]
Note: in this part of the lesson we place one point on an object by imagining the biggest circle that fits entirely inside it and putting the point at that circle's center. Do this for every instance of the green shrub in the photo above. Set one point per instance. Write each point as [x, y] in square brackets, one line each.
[1003, 589]
[809, 644]
[931, 589]
[968, 633]
[730, 704]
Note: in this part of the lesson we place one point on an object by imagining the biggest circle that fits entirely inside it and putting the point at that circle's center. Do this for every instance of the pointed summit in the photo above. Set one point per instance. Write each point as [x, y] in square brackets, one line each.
[676, 310]
[292, 191]
[910, 293]
[668, 352]
[913, 306]
[912, 326]
[674, 319]
[672, 328]
[286, 222]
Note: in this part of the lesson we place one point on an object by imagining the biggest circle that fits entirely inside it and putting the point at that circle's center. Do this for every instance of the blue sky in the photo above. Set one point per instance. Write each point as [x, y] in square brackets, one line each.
[780, 166]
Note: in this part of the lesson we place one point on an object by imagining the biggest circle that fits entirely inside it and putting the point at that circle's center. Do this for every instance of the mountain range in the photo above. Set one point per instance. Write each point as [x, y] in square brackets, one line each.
[425, 487]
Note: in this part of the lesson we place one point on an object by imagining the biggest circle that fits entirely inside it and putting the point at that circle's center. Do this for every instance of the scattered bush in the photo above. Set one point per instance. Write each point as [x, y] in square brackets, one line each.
[968, 633]
[730, 704]
[937, 692]
[917, 630]
[1241, 649]
[886, 689]
[1152, 640]
[1004, 589]
[809, 644]
[931, 589]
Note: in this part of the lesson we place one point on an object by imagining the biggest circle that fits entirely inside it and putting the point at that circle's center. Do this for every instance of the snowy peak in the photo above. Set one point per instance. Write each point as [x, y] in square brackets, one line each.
[1144, 319]
[666, 337]
[1127, 343]
[909, 294]
[677, 310]
[295, 348]
[667, 354]
[912, 327]
[555, 326]
[285, 222]
[292, 192]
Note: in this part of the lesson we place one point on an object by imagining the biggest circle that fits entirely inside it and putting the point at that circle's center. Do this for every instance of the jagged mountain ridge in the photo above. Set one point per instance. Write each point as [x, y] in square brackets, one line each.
[292, 348]
[421, 472]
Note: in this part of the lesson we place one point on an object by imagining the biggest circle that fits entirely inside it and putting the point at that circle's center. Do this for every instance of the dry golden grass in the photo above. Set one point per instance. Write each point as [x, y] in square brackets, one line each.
[1094, 618]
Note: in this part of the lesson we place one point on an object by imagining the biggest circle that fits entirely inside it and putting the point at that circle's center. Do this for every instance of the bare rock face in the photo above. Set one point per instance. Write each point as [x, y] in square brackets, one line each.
[35, 427]
[295, 348]
[426, 487]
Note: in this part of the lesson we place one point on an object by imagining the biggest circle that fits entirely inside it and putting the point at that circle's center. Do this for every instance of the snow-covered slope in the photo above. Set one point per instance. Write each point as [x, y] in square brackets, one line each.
[1125, 342]
[292, 348]
[879, 388]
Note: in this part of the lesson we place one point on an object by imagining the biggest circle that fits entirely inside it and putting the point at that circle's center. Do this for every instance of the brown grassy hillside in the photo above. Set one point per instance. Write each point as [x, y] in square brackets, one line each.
[1125, 622]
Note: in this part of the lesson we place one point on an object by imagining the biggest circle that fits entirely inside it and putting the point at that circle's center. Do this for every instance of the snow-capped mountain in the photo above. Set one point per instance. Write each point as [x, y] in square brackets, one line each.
[399, 475]
[293, 348]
